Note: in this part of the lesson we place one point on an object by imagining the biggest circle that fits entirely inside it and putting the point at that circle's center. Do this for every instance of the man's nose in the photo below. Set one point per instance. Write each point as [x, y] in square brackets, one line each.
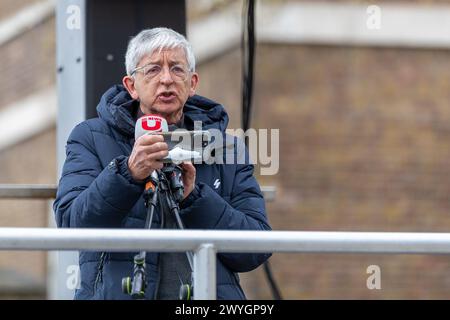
[165, 76]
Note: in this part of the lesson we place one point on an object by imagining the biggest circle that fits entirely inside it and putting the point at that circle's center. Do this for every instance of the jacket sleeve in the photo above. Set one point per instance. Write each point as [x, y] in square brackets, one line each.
[205, 209]
[88, 195]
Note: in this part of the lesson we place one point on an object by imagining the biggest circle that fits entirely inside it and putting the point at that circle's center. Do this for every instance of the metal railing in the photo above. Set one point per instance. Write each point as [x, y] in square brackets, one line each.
[206, 243]
[29, 191]
[48, 191]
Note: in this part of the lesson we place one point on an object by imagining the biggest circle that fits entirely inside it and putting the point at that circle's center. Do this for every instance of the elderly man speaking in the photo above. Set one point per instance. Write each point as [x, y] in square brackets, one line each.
[103, 178]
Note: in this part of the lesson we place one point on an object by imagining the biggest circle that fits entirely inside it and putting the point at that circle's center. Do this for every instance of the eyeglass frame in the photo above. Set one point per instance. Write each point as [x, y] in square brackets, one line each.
[138, 69]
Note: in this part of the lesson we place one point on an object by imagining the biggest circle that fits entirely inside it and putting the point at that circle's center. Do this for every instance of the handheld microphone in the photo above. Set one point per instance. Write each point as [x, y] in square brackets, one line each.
[150, 124]
[154, 124]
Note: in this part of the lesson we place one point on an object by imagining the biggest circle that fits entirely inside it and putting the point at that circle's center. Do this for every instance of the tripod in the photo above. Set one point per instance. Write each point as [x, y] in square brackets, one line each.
[166, 184]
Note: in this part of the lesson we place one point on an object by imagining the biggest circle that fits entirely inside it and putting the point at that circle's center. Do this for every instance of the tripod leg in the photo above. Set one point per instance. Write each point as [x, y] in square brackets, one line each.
[136, 285]
[174, 209]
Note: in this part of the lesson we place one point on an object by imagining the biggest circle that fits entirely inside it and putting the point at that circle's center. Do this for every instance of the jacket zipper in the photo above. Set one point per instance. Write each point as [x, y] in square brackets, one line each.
[99, 276]
[238, 284]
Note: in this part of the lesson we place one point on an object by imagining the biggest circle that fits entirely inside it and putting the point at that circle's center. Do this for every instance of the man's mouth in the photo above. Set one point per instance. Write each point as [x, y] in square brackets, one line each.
[168, 96]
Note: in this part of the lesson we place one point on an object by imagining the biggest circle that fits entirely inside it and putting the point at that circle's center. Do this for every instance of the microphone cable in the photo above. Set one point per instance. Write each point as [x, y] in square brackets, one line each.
[248, 58]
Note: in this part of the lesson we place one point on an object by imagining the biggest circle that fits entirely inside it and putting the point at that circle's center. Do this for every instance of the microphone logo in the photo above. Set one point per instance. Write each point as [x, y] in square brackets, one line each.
[152, 123]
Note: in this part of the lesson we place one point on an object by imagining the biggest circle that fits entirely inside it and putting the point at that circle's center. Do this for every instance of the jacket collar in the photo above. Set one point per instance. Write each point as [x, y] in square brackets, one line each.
[120, 111]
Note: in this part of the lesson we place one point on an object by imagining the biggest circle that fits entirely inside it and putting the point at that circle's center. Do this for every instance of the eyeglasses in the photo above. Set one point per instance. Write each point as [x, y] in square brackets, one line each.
[153, 72]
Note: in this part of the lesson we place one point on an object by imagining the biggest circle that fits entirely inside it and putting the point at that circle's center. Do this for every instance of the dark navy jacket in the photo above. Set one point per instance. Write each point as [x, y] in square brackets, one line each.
[96, 190]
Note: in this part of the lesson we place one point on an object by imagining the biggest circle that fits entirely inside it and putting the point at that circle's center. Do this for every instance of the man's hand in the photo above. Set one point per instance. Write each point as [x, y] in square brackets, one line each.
[188, 177]
[146, 156]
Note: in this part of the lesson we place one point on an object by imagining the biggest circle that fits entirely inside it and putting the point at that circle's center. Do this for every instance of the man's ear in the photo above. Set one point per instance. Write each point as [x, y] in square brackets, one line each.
[129, 84]
[193, 84]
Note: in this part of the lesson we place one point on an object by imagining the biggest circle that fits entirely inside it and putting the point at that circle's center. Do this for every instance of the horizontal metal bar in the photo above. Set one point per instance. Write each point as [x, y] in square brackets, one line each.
[49, 191]
[31, 191]
[223, 241]
[269, 192]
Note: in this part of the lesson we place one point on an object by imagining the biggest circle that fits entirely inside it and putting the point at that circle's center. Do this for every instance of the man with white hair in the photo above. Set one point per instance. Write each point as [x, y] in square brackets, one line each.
[105, 171]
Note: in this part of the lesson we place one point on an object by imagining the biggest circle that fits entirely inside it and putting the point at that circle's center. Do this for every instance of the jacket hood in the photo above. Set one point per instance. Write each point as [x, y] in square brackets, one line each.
[118, 109]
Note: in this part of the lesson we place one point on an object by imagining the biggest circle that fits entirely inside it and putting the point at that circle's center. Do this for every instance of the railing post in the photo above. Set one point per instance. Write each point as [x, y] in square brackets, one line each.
[205, 272]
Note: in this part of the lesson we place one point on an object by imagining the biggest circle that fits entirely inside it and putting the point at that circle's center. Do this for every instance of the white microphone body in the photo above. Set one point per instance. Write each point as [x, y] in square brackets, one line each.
[154, 124]
[150, 124]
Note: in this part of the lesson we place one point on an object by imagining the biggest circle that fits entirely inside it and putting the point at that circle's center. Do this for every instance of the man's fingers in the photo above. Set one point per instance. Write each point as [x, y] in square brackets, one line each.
[147, 155]
[158, 165]
[153, 164]
[149, 139]
[188, 178]
[188, 168]
[156, 147]
[158, 155]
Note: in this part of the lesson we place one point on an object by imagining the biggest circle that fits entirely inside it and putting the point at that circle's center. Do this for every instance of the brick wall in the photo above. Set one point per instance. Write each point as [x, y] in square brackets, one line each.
[28, 65]
[23, 273]
[364, 146]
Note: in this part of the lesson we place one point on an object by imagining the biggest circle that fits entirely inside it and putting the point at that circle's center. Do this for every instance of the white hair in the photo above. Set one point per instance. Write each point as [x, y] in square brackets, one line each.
[150, 40]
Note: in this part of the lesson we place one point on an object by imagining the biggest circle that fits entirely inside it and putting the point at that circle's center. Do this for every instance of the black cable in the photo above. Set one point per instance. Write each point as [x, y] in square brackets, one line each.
[272, 283]
[248, 58]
